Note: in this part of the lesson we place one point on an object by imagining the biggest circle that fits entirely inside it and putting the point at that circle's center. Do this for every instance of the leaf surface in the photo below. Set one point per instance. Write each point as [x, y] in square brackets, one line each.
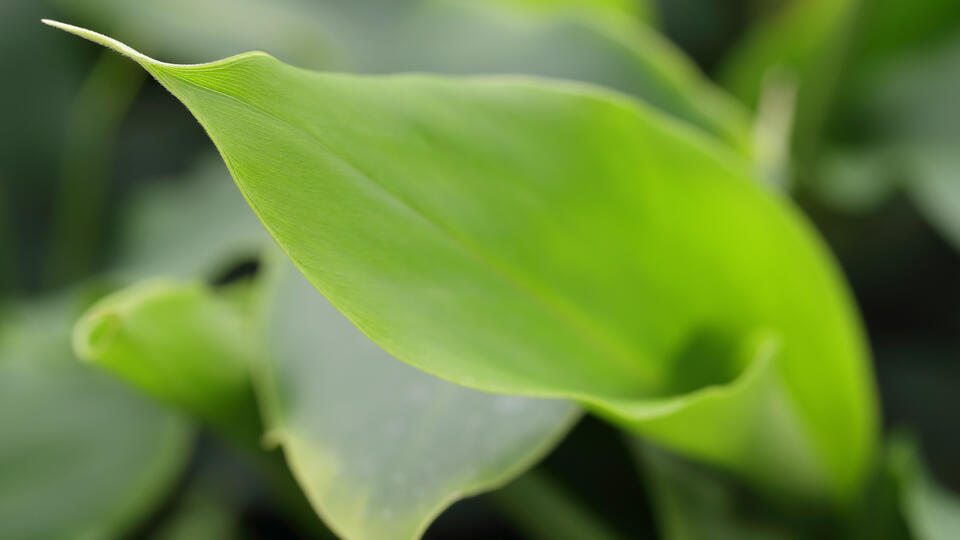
[931, 511]
[379, 447]
[181, 345]
[556, 240]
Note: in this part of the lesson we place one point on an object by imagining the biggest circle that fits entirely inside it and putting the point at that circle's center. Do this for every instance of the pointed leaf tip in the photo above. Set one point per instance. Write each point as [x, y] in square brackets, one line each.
[101, 39]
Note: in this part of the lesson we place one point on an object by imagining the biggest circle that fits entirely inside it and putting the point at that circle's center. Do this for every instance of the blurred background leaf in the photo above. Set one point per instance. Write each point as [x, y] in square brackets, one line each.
[81, 455]
[438, 36]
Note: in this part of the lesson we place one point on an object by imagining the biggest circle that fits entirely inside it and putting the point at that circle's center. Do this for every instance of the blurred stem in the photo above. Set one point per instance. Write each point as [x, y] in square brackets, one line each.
[540, 508]
[91, 135]
[773, 128]
[817, 94]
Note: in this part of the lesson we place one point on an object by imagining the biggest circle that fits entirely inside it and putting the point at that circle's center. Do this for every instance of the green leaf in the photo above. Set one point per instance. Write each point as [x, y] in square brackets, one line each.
[552, 239]
[935, 187]
[908, 104]
[931, 512]
[637, 9]
[693, 503]
[828, 47]
[381, 448]
[80, 455]
[201, 514]
[194, 226]
[180, 344]
[440, 36]
[792, 38]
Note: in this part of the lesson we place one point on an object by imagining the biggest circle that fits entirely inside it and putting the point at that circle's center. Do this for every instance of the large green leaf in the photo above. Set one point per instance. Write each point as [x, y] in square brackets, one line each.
[80, 455]
[379, 447]
[445, 36]
[555, 240]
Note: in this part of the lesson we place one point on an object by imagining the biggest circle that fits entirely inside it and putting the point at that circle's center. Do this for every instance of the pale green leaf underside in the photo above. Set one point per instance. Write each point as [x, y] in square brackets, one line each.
[553, 239]
[379, 447]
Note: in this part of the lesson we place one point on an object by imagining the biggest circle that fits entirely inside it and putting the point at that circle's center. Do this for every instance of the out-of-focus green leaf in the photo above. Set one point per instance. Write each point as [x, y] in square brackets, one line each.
[931, 512]
[792, 39]
[692, 503]
[80, 455]
[857, 182]
[80, 214]
[189, 228]
[444, 36]
[804, 36]
[180, 344]
[638, 9]
[37, 93]
[200, 516]
[829, 46]
[379, 447]
[910, 98]
[411, 443]
[553, 240]
[935, 187]
[913, 131]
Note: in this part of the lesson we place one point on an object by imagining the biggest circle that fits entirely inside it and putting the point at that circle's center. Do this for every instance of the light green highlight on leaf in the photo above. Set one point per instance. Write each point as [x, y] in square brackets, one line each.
[556, 240]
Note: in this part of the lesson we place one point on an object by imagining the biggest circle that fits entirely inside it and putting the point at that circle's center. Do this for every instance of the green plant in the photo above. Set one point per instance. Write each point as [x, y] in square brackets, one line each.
[516, 236]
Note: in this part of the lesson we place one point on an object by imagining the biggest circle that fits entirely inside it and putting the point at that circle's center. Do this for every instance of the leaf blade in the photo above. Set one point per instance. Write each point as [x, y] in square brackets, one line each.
[543, 300]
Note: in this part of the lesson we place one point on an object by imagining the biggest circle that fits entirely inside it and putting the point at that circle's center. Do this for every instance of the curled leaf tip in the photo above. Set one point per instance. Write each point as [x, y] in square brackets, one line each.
[94, 333]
